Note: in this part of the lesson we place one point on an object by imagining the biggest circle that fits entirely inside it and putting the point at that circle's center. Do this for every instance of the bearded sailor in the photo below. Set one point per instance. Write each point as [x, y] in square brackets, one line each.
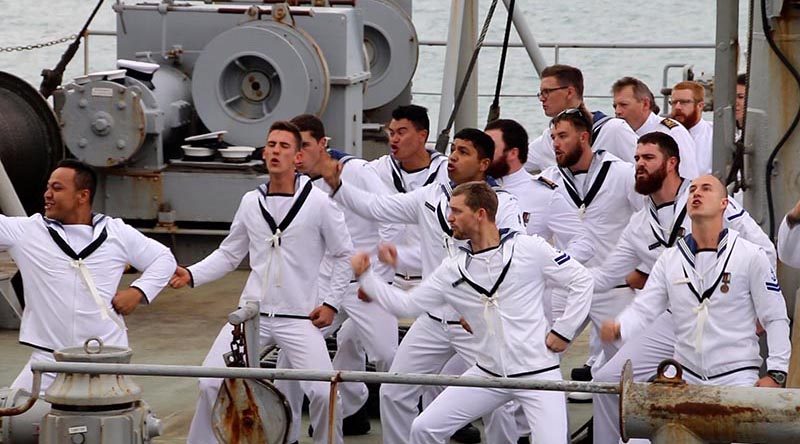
[652, 230]
[497, 282]
[437, 335]
[286, 226]
[71, 261]
[717, 285]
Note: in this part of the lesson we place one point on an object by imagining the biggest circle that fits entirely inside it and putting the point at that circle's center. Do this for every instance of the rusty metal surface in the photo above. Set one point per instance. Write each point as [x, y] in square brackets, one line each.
[713, 413]
[251, 411]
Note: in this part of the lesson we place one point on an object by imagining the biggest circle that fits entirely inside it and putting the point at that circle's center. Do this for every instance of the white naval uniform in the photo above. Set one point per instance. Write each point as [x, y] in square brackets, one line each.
[686, 146]
[703, 135]
[499, 292]
[715, 298]
[614, 136]
[650, 232]
[395, 178]
[367, 331]
[604, 199]
[286, 237]
[437, 336]
[789, 244]
[71, 274]
[546, 213]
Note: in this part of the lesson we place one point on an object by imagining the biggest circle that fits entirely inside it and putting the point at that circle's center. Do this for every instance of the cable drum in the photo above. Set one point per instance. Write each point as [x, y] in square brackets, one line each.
[31, 143]
[250, 76]
[392, 48]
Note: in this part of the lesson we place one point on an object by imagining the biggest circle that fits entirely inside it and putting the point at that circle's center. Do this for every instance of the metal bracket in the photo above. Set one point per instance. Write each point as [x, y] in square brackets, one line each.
[282, 14]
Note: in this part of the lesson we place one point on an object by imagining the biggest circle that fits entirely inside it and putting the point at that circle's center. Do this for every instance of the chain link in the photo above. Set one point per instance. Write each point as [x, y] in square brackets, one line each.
[38, 45]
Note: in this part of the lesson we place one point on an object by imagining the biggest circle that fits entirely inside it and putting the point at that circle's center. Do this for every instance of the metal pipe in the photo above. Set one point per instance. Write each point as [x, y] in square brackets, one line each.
[35, 389]
[725, 65]
[453, 44]
[711, 413]
[586, 45]
[300, 10]
[525, 34]
[316, 375]
[9, 201]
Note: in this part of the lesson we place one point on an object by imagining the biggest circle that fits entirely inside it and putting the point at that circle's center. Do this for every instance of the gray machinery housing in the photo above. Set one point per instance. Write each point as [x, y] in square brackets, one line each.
[238, 67]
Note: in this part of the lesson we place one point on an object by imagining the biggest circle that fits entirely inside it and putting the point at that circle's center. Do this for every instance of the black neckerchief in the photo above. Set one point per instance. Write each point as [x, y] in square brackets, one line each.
[290, 215]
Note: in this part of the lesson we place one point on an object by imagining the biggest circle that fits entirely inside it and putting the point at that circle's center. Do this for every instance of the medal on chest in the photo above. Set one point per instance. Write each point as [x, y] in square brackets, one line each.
[726, 279]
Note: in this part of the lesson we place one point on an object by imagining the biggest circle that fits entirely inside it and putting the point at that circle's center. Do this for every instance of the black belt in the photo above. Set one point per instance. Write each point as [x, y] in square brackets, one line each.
[730, 372]
[519, 375]
[621, 286]
[286, 316]
[407, 277]
[440, 320]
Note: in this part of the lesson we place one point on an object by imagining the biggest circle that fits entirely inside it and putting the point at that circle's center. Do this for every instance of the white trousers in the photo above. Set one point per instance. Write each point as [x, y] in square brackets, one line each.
[304, 347]
[24, 380]
[604, 306]
[456, 406]
[367, 332]
[645, 351]
[426, 348]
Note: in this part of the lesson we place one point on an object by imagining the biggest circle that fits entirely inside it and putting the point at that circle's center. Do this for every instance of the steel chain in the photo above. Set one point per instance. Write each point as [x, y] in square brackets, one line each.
[38, 45]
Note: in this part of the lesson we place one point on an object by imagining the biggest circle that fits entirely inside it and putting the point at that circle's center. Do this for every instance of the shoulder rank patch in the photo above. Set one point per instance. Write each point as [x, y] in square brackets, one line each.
[669, 123]
[547, 182]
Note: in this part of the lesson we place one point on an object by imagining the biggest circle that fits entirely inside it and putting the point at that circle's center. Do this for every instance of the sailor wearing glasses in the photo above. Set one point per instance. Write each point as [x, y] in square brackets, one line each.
[600, 189]
[687, 104]
[562, 88]
[634, 102]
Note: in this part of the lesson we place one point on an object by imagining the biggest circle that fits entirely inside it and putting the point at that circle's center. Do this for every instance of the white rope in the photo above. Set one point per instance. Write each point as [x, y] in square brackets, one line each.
[105, 311]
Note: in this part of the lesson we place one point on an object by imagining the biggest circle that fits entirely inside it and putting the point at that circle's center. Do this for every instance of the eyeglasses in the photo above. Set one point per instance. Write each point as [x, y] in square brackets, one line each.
[545, 92]
[681, 102]
[574, 115]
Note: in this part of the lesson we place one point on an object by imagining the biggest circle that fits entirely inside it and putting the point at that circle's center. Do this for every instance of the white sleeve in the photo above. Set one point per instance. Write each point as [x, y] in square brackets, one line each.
[789, 244]
[540, 153]
[648, 303]
[426, 296]
[12, 229]
[617, 137]
[230, 253]
[151, 257]
[617, 265]
[562, 271]
[771, 311]
[740, 220]
[396, 208]
[340, 248]
[508, 212]
[387, 232]
[570, 233]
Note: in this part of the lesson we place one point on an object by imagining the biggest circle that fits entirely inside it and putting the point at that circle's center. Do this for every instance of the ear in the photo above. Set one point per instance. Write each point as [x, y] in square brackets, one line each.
[481, 213]
[83, 196]
[584, 137]
[513, 153]
[673, 161]
[484, 164]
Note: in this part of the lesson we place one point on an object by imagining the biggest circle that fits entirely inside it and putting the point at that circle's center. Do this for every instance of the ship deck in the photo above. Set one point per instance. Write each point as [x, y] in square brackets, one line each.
[179, 327]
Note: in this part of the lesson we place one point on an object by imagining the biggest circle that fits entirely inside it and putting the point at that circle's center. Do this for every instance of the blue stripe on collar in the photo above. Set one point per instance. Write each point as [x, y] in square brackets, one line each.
[721, 242]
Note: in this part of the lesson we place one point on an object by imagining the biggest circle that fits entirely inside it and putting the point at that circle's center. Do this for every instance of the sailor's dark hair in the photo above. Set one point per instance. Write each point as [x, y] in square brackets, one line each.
[514, 136]
[85, 176]
[566, 75]
[417, 115]
[478, 195]
[310, 123]
[482, 142]
[285, 125]
[666, 144]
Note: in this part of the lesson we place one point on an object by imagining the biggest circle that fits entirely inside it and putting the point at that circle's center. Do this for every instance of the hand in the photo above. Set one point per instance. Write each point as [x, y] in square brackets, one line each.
[322, 316]
[363, 296]
[793, 217]
[125, 301]
[759, 328]
[636, 280]
[465, 325]
[609, 331]
[332, 173]
[387, 253]
[180, 278]
[555, 344]
[360, 263]
[767, 381]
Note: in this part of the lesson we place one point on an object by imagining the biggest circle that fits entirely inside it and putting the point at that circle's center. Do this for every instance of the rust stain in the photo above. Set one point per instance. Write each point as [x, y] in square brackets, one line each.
[704, 409]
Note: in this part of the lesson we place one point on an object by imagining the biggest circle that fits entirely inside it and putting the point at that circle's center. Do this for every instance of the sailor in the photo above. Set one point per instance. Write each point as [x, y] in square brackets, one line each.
[407, 167]
[599, 189]
[71, 261]
[286, 226]
[687, 102]
[718, 286]
[633, 101]
[375, 334]
[652, 230]
[437, 335]
[562, 88]
[789, 238]
[496, 282]
[545, 211]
